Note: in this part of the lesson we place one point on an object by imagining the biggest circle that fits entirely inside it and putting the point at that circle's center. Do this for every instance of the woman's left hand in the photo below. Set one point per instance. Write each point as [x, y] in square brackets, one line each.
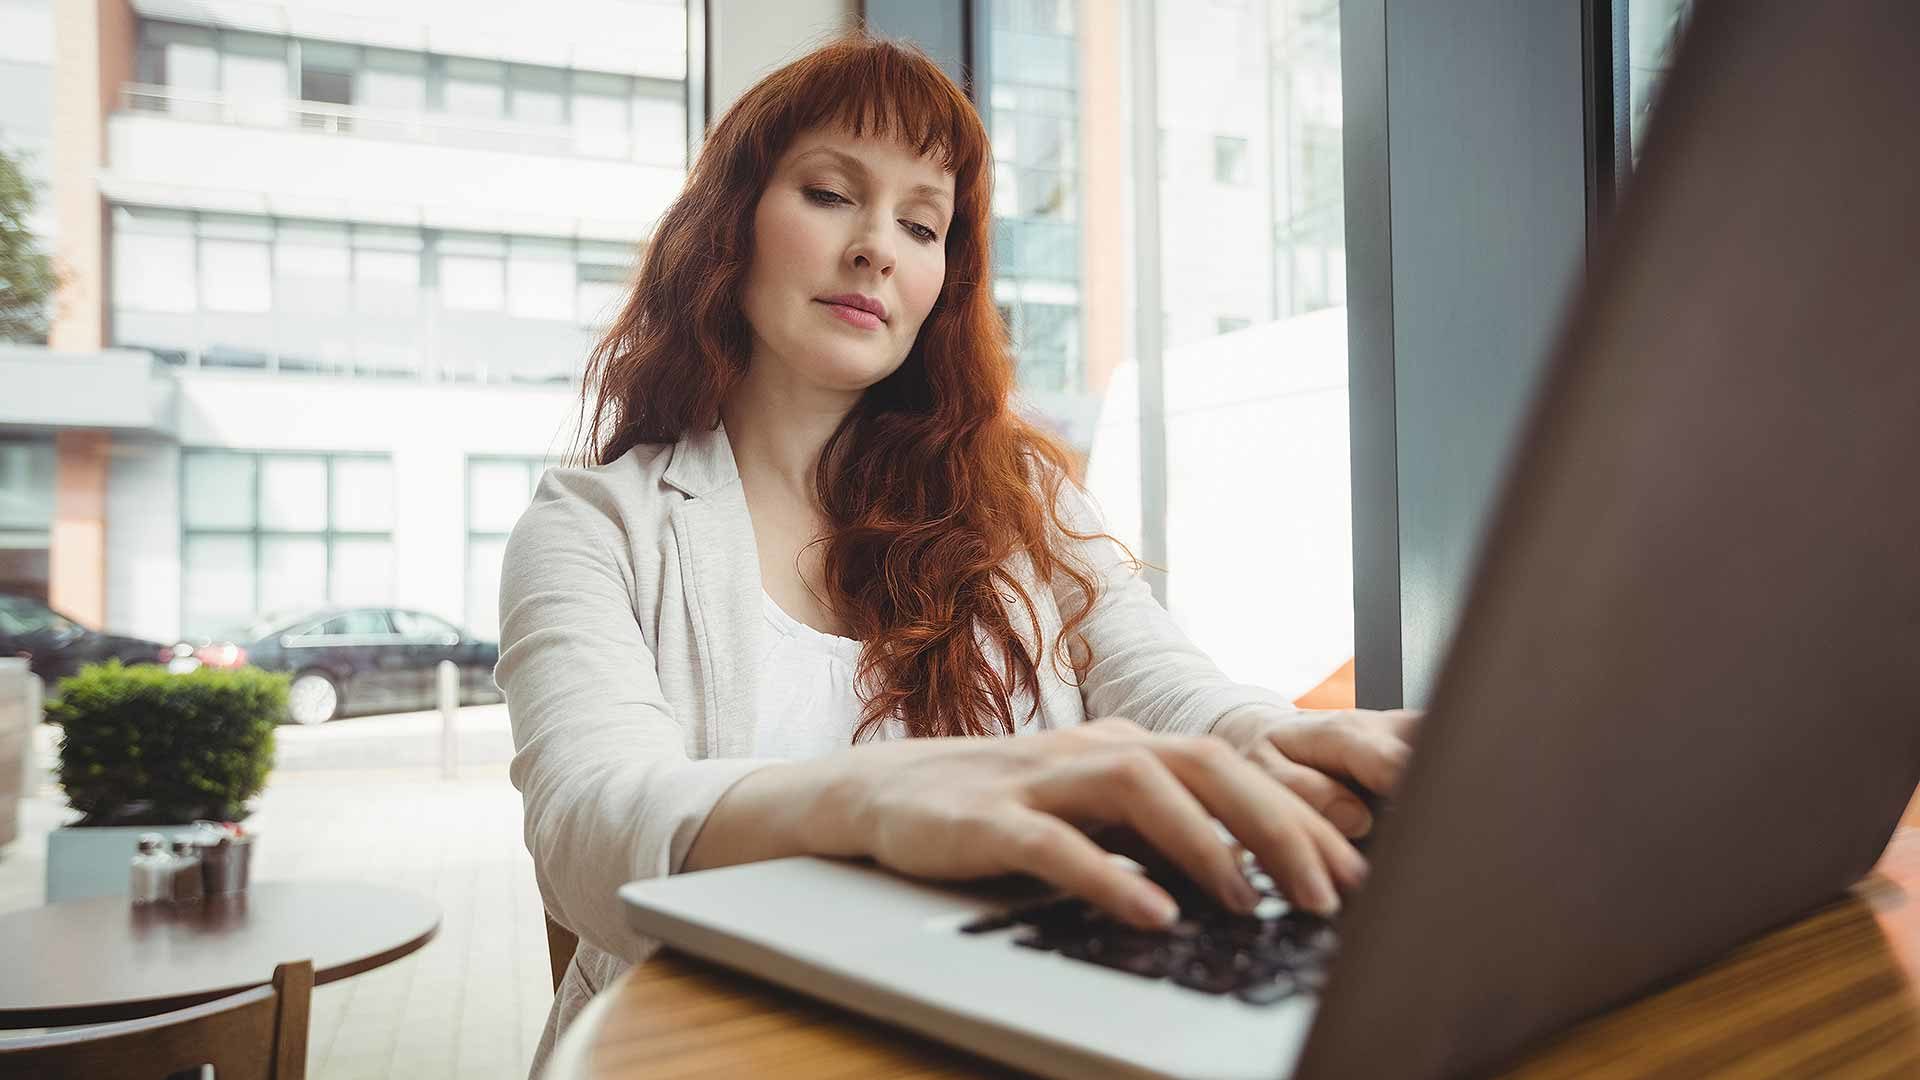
[1306, 751]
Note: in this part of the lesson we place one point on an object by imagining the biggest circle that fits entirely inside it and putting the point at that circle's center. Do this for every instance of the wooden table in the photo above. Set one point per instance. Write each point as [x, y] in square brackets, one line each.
[1836, 994]
[102, 959]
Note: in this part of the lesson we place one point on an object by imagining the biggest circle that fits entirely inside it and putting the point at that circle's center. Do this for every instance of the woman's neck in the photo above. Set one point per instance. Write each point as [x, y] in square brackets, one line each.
[778, 430]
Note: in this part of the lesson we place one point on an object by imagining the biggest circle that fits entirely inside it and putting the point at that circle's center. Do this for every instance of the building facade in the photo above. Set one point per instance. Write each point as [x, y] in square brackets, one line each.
[324, 303]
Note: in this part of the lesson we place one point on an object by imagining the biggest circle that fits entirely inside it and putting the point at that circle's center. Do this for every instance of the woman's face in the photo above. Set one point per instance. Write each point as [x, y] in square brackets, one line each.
[849, 254]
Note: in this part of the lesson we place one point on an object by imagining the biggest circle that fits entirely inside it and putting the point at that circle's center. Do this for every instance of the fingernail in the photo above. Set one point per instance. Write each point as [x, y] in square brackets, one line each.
[1322, 897]
[1157, 911]
[1240, 894]
[1351, 820]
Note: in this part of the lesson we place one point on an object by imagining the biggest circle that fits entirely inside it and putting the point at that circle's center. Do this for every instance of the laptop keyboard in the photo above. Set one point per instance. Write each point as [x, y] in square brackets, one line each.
[1262, 958]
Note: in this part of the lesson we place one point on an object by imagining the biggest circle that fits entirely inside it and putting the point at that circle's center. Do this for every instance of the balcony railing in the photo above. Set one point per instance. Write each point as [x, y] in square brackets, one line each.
[397, 125]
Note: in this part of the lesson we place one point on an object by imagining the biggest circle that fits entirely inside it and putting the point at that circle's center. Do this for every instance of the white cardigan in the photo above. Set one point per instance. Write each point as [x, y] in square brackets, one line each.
[630, 604]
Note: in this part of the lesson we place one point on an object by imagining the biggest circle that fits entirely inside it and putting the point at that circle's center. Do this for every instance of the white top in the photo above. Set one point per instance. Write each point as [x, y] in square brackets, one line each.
[807, 706]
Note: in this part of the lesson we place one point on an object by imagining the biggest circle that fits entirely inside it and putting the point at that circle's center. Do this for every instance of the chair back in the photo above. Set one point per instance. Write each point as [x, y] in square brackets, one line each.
[259, 1034]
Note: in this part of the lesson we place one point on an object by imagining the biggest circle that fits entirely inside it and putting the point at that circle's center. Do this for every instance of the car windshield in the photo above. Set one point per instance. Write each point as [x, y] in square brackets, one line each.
[19, 615]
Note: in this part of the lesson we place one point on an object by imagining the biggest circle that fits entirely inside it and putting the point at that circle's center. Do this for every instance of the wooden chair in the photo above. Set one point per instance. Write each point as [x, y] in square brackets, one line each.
[561, 942]
[259, 1034]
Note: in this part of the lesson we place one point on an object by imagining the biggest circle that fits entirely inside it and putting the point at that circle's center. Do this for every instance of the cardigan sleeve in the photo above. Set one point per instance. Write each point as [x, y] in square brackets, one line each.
[610, 794]
[1137, 662]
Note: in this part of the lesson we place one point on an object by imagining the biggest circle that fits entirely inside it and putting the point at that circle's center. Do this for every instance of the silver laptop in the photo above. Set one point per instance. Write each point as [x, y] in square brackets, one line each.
[1680, 706]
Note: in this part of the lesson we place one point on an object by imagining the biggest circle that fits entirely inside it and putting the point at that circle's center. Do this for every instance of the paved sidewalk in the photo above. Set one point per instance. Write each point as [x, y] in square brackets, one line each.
[363, 798]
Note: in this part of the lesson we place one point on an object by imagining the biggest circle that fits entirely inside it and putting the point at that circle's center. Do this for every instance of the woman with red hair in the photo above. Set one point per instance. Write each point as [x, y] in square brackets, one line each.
[814, 556]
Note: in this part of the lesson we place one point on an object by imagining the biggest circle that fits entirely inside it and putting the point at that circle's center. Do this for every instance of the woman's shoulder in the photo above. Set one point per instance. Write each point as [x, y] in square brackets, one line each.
[590, 503]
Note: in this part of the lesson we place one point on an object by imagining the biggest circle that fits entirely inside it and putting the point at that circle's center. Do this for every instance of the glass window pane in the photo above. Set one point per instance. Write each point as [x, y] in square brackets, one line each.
[363, 623]
[386, 282]
[659, 129]
[235, 276]
[26, 487]
[293, 573]
[414, 624]
[539, 95]
[474, 88]
[540, 279]
[362, 572]
[472, 283]
[597, 301]
[293, 494]
[484, 556]
[393, 81]
[312, 268]
[219, 491]
[153, 272]
[217, 584]
[362, 494]
[600, 124]
[253, 77]
[497, 493]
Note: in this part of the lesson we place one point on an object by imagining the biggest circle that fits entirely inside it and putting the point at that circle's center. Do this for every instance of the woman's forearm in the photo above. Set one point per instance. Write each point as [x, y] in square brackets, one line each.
[799, 808]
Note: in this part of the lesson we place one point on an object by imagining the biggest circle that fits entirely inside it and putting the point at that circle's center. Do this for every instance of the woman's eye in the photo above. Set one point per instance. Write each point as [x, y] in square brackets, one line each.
[824, 197]
[921, 232]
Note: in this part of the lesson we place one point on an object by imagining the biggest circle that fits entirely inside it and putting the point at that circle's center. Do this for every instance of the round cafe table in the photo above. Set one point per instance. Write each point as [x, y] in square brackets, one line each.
[102, 959]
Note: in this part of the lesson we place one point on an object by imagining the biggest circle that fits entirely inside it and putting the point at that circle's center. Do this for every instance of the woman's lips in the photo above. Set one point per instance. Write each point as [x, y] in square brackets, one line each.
[865, 320]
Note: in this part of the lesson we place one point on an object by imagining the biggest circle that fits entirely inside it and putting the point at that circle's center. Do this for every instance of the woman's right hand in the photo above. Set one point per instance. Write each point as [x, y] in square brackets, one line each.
[968, 808]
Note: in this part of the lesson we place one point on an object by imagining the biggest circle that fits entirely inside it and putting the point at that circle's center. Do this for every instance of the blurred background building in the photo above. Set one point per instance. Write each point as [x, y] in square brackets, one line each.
[330, 271]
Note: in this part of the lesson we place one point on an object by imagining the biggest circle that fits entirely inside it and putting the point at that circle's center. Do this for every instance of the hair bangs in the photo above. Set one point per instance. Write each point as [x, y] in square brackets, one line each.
[883, 89]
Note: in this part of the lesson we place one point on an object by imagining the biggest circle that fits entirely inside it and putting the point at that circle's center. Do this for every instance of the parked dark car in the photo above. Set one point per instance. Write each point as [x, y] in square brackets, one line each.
[360, 660]
[56, 646]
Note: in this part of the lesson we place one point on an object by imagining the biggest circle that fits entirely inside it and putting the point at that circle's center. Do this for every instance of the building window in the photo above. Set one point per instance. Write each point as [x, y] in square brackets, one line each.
[498, 490]
[1227, 324]
[26, 516]
[269, 533]
[1230, 160]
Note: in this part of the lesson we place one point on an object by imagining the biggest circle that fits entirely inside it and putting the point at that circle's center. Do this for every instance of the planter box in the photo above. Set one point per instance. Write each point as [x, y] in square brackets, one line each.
[83, 862]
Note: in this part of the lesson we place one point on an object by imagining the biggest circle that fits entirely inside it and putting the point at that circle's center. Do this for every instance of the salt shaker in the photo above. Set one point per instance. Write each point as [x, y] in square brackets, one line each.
[186, 884]
[152, 871]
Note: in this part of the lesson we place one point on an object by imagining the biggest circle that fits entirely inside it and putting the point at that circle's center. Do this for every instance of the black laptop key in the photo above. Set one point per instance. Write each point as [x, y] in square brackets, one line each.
[1208, 977]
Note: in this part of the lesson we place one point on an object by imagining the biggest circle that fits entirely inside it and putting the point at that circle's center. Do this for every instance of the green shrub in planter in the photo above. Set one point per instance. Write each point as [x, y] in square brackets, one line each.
[140, 745]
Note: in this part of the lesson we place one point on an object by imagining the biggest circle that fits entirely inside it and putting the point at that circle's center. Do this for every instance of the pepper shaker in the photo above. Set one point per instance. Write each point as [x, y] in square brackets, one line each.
[186, 885]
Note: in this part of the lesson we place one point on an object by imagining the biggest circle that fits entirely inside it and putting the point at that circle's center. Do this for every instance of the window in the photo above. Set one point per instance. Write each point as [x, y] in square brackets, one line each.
[1653, 28]
[1253, 368]
[539, 95]
[326, 76]
[474, 88]
[659, 123]
[26, 516]
[413, 624]
[358, 624]
[266, 533]
[540, 279]
[1230, 160]
[235, 266]
[153, 261]
[392, 81]
[498, 490]
[601, 127]
[600, 283]
[472, 272]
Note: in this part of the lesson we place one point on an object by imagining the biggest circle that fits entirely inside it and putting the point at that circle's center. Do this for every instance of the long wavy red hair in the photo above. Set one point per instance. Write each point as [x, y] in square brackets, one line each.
[933, 486]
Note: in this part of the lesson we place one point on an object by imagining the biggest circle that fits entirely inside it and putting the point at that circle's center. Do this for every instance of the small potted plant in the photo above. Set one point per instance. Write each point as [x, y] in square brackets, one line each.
[145, 750]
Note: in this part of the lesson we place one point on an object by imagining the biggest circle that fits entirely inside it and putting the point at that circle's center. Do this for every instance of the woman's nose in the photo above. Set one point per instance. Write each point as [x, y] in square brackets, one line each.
[871, 251]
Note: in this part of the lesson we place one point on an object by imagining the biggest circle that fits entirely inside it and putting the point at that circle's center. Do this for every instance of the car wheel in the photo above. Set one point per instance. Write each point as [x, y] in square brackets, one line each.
[313, 698]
